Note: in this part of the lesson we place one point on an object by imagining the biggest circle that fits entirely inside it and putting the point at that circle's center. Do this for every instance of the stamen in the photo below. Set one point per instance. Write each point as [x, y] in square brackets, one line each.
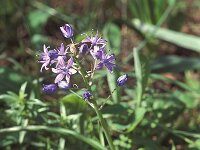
[71, 40]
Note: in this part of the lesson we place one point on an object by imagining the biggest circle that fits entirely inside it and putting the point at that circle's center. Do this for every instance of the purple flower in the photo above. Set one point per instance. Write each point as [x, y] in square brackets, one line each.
[61, 53]
[61, 50]
[63, 85]
[49, 88]
[47, 57]
[64, 70]
[122, 80]
[67, 31]
[97, 52]
[87, 95]
[83, 48]
[95, 40]
[108, 61]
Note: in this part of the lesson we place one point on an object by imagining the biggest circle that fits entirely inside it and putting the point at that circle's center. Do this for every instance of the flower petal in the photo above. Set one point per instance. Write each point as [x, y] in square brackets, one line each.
[63, 85]
[67, 31]
[61, 49]
[99, 66]
[44, 66]
[45, 49]
[111, 57]
[86, 40]
[60, 62]
[67, 78]
[122, 80]
[72, 71]
[54, 70]
[70, 62]
[83, 48]
[110, 66]
[62, 30]
[59, 77]
[66, 50]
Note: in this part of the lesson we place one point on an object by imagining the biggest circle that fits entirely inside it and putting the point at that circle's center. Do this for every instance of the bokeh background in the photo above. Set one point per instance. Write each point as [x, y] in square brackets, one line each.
[164, 32]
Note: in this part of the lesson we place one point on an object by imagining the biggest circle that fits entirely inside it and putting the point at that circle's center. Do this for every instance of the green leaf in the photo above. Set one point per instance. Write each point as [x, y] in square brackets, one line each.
[191, 81]
[147, 11]
[187, 98]
[37, 19]
[54, 130]
[73, 103]
[187, 134]
[113, 36]
[112, 83]
[10, 80]
[37, 102]
[171, 2]
[173, 147]
[138, 74]
[195, 144]
[115, 109]
[175, 64]
[9, 99]
[22, 93]
[39, 39]
[171, 81]
[50, 11]
[136, 119]
[184, 40]
[139, 115]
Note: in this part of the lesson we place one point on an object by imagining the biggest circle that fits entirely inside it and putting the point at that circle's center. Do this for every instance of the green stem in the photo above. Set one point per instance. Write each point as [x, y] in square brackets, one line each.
[82, 72]
[98, 112]
[104, 125]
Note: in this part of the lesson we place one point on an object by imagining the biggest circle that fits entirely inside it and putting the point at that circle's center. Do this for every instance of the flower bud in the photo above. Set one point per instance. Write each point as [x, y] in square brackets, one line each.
[49, 88]
[87, 95]
[67, 31]
[63, 85]
[53, 54]
[83, 48]
[122, 80]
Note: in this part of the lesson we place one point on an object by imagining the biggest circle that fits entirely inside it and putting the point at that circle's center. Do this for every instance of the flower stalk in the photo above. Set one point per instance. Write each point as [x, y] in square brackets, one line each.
[95, 107]
[104, 126]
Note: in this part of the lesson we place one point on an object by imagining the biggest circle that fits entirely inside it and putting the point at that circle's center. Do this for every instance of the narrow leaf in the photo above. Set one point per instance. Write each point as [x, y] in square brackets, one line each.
[180, 39]
[175, 64]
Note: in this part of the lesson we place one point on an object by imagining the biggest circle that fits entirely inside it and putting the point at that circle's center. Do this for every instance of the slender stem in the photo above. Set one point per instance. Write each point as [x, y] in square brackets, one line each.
[98, 112]
[82, 72]
[107, 99]
[93, 70]
[104, 125]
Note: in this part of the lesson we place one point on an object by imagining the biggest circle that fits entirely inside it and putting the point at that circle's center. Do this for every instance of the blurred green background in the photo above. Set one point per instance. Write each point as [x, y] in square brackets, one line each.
[156, 43]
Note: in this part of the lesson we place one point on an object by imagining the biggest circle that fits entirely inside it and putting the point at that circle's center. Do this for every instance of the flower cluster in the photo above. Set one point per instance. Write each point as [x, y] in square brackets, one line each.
[63, 61]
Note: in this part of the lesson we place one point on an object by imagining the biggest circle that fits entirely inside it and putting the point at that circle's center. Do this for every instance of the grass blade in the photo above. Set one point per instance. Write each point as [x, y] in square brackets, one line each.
[54, 130]
[180, 39]
[113, 36]
[138, 74]
[174, 64]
